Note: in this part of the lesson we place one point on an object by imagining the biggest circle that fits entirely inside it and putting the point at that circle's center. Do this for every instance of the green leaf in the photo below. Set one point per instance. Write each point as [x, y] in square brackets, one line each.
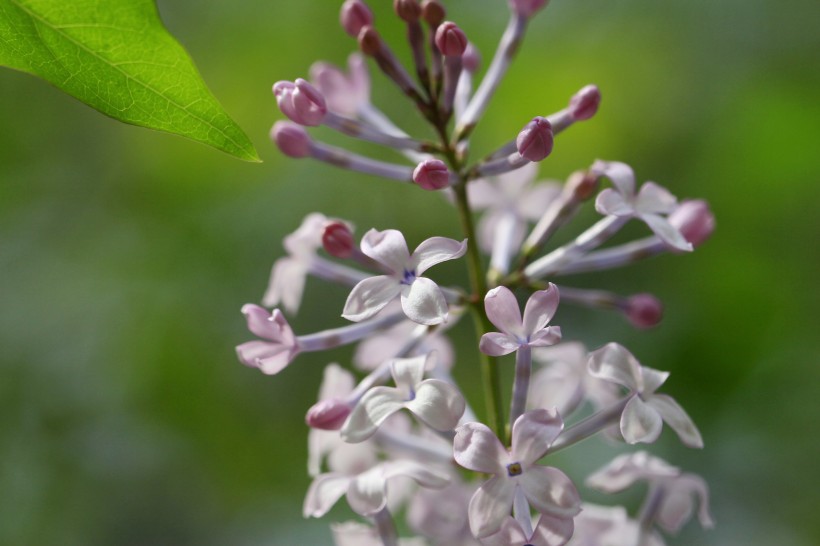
[116, 56]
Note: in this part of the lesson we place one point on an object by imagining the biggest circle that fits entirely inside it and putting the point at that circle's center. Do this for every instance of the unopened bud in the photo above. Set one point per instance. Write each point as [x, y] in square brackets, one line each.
[407, 10]
[328, 414]
[370, 43]
[694, 220]
[527, 7]
[432, 174]
[644, 310]
[584, 104]
[354, 15]
[291, 139]
[433, 12]
[534, 142]
[471, 59]
[337, 239]
[583, 184]
[300, 101]
[451, 40]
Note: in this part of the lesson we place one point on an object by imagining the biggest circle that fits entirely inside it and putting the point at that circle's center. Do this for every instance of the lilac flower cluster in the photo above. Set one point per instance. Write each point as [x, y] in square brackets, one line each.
[405, 417]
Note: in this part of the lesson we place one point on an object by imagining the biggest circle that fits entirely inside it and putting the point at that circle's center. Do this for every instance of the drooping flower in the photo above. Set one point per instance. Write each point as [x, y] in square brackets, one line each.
[421, 298]
[529, 331]
[547, 489]
[279, 349]
[644, 414]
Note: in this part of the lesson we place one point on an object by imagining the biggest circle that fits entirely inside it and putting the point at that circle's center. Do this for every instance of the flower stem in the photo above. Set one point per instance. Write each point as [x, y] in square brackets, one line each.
[590, 426]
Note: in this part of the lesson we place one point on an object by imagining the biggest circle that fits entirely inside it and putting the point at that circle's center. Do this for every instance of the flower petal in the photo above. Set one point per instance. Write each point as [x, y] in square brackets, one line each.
[552, 531]
[423, 302]
[620, 174]
[272, 326]
[336, 382]
[627, 469]
[370, 296]
[535, 201]
[408, 372]
[533, 433]
[436, 250]
[286, 284]
[323, 493]
[612, 203]
[614, 363]
[421, 474]
[652, 379]
[376, 405]
[497, 344]
[490, 505]
[550, 491]
[475, 447]
[540, 309]
[353, 533]
[510, 534]
[678, 505]
[668, 233]
[367, 493]
[270, 358]
[438, 404]
[655, 199]
[640, 422]
[546, 337]
[387, 247]
[502, 310]
[483, 194]
[674, 415]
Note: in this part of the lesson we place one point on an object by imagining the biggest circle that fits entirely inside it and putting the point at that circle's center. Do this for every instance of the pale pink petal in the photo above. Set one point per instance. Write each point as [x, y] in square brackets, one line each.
[614, 363]
[613, 203]
[498, 344]
[540, 309]
[535, 201]
[373, 409]
[640, 422]
[652, 379]
[503, 311]
[323, 493]
[272, 326]
[655, 199]
[510, 534]
[627, 469]
[408, 372]
[438, 404]
[490, 505]
[550, 491]
[483, 194]
[552, 531]
[351, 459]
[420, 473]
[674, 415]
[436, 250]
[556, 386]
[488, 227]
[336, 382]
[546, 337]
[513, 183]
[475, 447]
[367, 493]
[270, 358]
[620, 174]
[668, 233]
[359, 77]
[423, 302]
[533, 433]
[370, 296]
[287, 284]
[678, 504]
[308, 237]
[387, 247]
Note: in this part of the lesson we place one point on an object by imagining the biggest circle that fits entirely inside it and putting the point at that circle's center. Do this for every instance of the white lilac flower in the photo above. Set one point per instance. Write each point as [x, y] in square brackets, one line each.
[645, 412]
[529, 331]
[650, 204]
[353, 533]
[549, 531]
[436, 403]
[421, 298]
[609, 526]
[676, 490]
[547, 489]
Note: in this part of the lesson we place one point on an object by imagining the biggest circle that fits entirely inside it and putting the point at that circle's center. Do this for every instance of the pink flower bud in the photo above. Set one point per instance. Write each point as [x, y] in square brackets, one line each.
[471, 59]
[433, 12]
[300, 102]
[534, 142]
[527, 7]
[337, 239]
[327, 414]
[291, 139]
[370, 43]
[644, 310]
[407, 10]
[451, 40]
[432, 174]
[694, 220]
[584, 104]
[354, 15]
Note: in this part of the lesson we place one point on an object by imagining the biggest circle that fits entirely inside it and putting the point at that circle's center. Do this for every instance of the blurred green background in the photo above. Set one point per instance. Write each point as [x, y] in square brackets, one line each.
[125, 256]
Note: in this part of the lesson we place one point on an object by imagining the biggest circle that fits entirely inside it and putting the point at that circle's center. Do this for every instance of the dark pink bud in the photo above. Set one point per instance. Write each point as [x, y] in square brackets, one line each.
[370, 43]
[432, 174]
[433, 12]
[527, 7]
[694, 220]
[337, 239]
[644, 310]
[534, 142]
[450, 40]
[328, 414]
[584, 104]
[407, 10]
[291, 139]
[354, 15]
[471, 59]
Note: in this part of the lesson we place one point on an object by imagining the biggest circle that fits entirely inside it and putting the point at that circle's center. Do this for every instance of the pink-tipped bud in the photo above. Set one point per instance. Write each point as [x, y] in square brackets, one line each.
[583, 184]
[370, 42]
[354, 15]
[451, 40]
[337, 240]
[291, 139]
[433, 12]
[432, 174]
[471, 59]
[534, 142]
[300, 102]
[328, 414]
[407, 10]
[527, 8]
[584, 104]
[694, 220]
[644, 310]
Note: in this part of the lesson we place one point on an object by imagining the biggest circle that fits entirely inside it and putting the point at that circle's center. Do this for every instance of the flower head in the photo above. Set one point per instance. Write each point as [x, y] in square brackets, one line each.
[531, 330]
[281, 347]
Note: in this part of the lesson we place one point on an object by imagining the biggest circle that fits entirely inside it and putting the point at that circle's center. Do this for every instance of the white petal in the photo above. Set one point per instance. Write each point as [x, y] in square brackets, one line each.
[534, 202]
[627, 469]
[376, 405]
[475, 447]
[640, 422]
[483, 194]
[514, 182]
[387, 247]
[674, 415]
[620, 174]
[370, 296]
[546, 337]
[614, 363]
[497, 344]
[550, 491]
[490, 505]
[438, 404]
[421, 474]
[487, 228]
[367, 493]
[533, 433]
[336, 382]
[552, 531]
[613, 203]
[351, 533]
[286, 284]
[502, 310]
[678, 505]
[540, 309]
[654, 199]
[436, 250]
[652, 379]
[408, 372]
[668, 233]
[510, 534]
[323, 493]
[423, 302]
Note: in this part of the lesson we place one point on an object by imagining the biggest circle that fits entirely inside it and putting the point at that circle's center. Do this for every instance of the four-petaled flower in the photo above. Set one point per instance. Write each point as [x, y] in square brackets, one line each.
[421, 298]
[281, 347]
[531, 331]
[547, 489]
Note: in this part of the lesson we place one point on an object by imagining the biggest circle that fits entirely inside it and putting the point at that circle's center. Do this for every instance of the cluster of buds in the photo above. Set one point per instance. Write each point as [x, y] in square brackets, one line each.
[399, 412]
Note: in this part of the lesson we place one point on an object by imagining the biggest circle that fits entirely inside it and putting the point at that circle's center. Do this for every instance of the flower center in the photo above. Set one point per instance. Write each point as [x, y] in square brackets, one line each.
[408, 277]
[514, 469]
